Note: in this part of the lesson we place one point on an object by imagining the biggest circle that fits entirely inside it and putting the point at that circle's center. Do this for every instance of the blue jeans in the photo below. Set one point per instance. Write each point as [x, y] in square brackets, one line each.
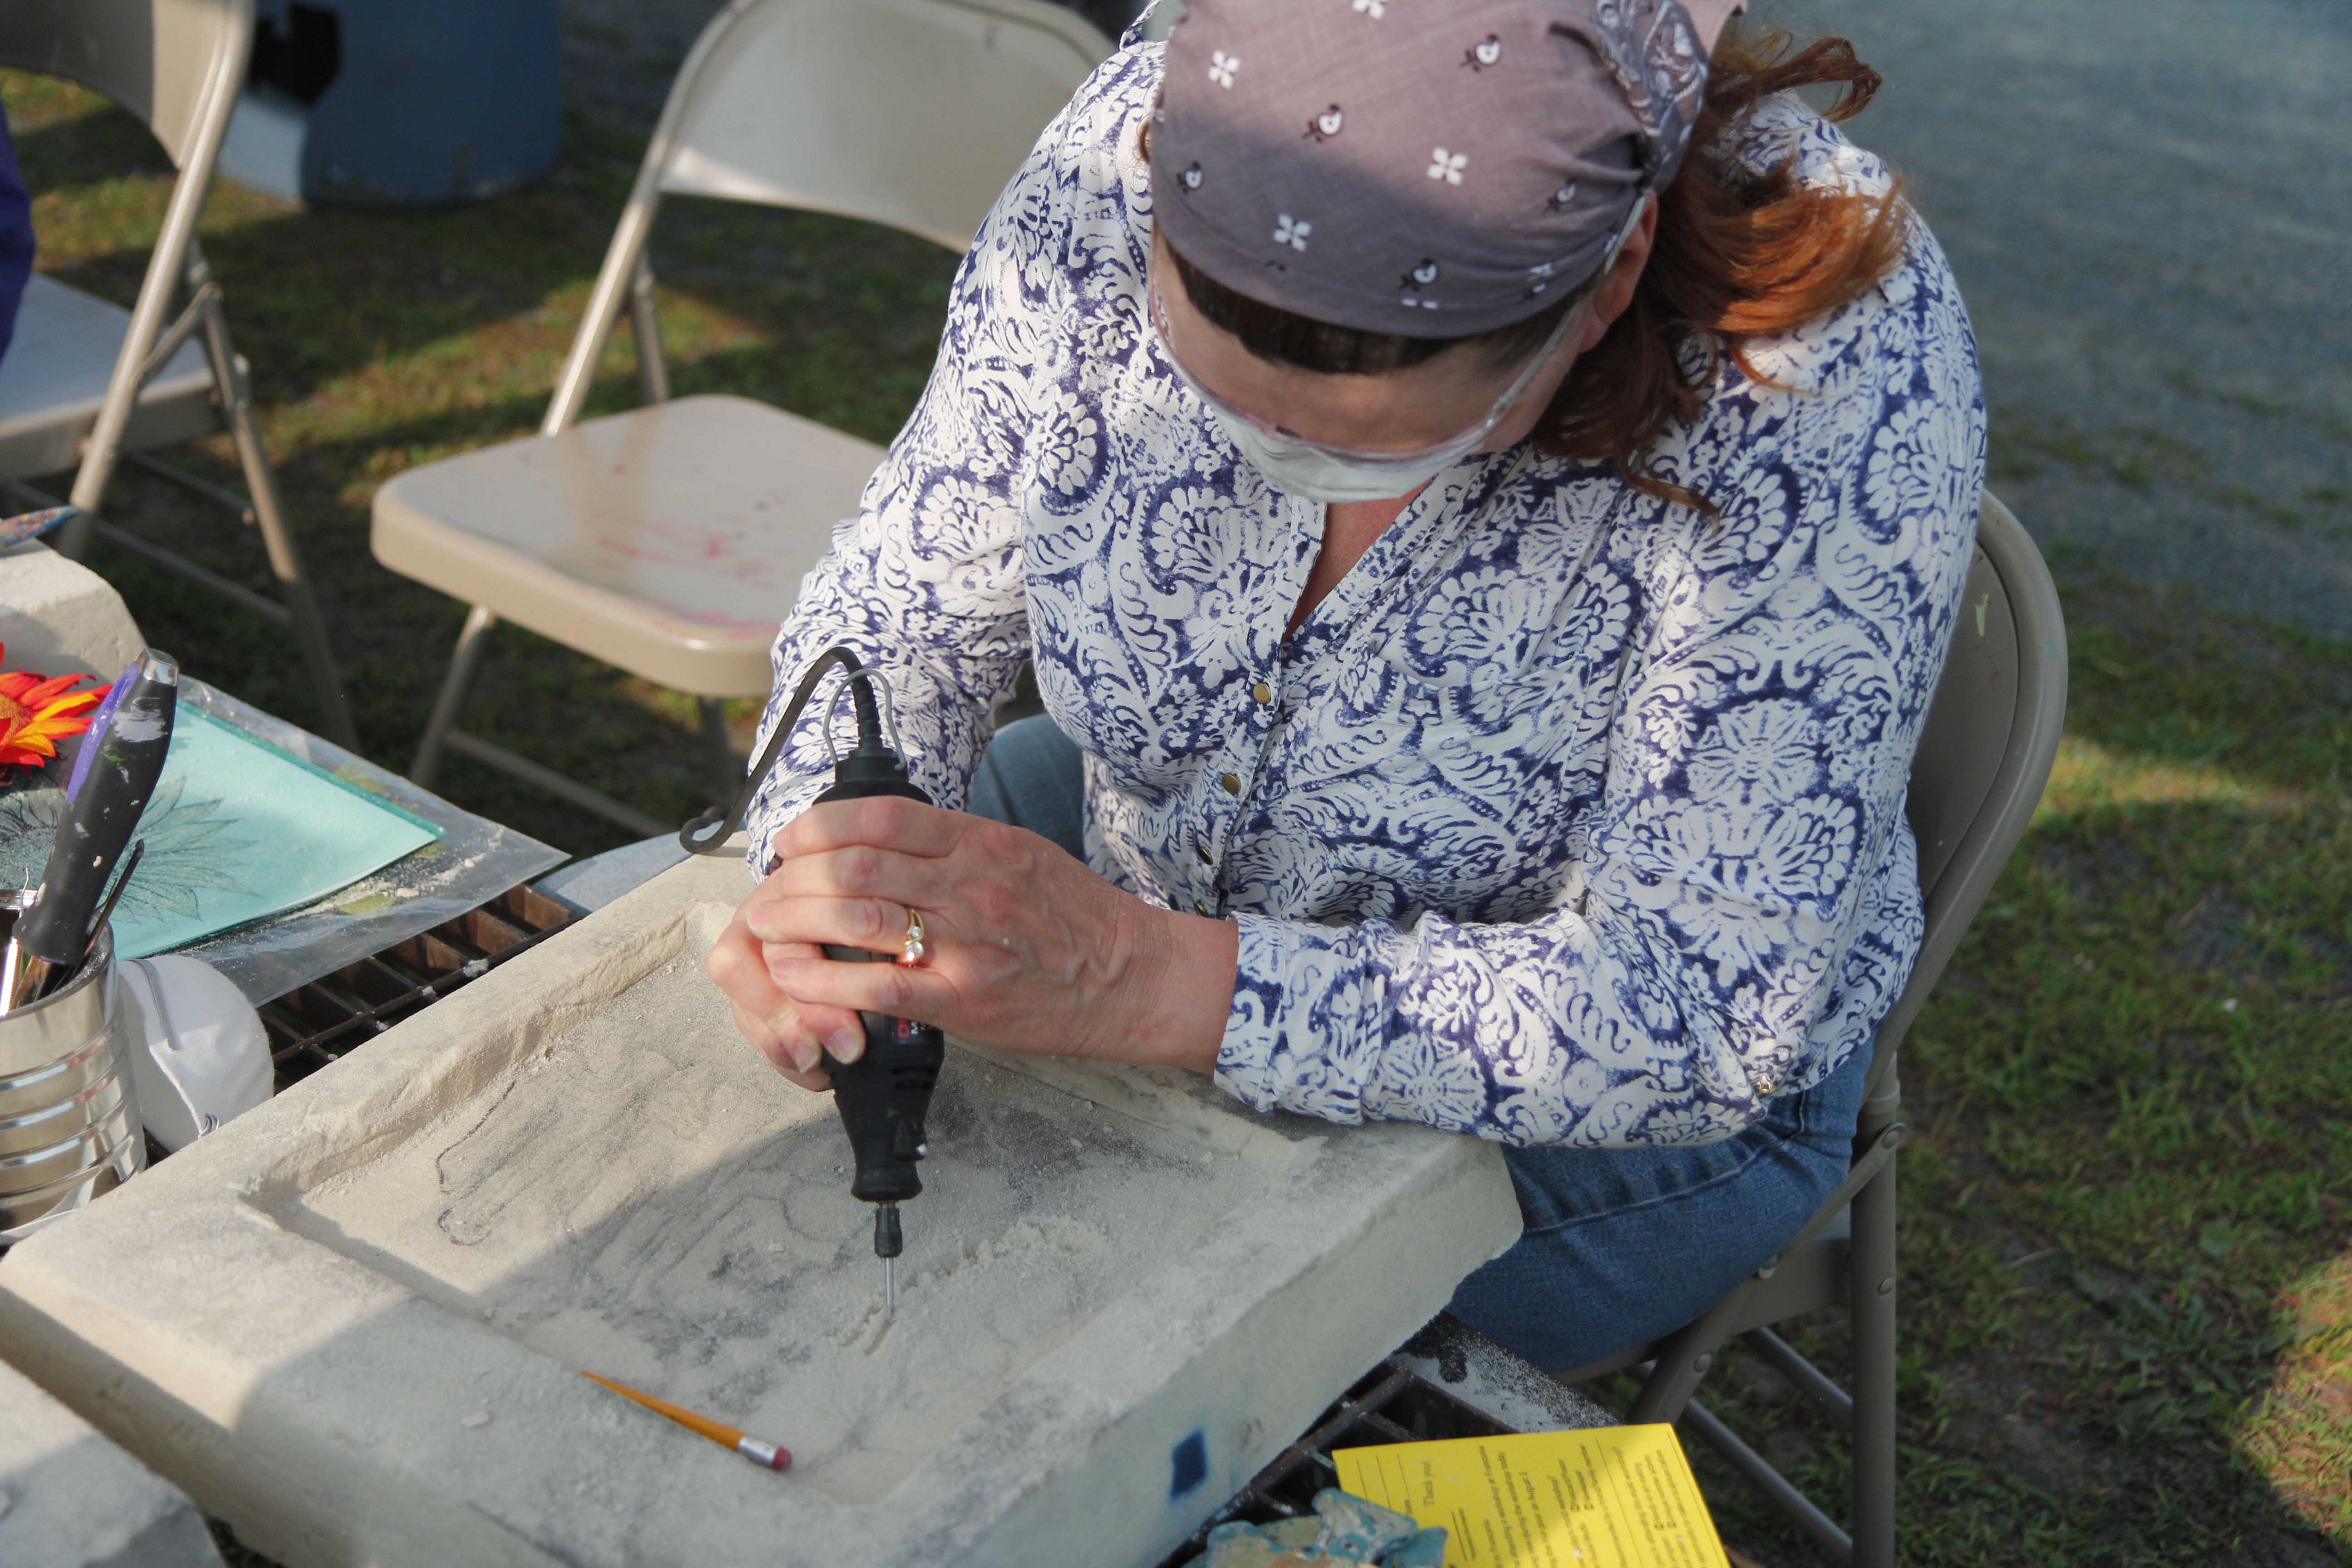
[1621, 1246]
[1034, 776]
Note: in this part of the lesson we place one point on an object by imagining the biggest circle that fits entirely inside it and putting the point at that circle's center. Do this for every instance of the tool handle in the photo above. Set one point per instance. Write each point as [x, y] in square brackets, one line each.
[96, 826]
[100, 722]
[884, 1095]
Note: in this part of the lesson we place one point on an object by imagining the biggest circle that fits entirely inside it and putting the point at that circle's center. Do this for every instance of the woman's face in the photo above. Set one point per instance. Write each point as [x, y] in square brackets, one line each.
[1405, 410]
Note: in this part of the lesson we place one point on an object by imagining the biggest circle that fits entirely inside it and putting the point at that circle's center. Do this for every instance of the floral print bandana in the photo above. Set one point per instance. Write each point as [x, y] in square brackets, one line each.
[1433, 168]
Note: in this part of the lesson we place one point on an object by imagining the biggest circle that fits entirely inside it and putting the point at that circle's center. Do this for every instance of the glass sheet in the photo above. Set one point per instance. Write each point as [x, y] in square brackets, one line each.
[406, 859]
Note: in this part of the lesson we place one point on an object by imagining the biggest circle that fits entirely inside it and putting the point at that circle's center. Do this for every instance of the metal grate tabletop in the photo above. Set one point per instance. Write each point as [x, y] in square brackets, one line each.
[312, 1025]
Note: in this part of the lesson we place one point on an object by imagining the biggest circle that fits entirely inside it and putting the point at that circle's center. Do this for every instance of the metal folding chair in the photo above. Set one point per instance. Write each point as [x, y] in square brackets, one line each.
[87, 383]
[1983, 759]
[670, 540]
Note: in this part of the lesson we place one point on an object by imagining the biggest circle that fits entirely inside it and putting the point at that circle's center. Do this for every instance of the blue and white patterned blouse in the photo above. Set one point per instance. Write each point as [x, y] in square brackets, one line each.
[1568, 816]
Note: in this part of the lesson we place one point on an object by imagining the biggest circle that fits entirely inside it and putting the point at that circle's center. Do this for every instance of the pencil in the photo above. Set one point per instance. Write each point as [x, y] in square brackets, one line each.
[719, 1432]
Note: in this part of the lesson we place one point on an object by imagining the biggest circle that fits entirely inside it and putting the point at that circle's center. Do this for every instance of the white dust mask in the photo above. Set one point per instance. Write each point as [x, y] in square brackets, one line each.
[1320, 476]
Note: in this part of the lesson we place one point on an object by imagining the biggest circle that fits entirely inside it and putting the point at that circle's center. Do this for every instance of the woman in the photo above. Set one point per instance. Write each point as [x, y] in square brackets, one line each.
[1491, 587]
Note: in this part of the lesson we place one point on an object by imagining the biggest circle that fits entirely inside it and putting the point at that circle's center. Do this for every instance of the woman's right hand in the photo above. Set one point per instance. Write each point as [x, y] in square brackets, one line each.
[789, 1034]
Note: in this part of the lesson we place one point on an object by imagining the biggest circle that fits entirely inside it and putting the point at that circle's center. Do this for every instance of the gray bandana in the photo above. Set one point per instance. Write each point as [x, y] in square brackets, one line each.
[1429, 167]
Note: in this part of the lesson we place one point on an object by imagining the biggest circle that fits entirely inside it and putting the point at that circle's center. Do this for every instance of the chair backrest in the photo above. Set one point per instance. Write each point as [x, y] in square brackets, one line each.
[909, 113]
[906, 113]
[169, 62]
[1991, 738]
[178, 65]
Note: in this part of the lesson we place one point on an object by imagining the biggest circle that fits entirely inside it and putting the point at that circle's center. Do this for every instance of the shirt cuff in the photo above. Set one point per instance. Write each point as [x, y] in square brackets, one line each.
[1304, 1034]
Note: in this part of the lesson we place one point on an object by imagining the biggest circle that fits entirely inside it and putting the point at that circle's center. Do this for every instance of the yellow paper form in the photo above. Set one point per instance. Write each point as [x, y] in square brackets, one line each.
[1611, 1496]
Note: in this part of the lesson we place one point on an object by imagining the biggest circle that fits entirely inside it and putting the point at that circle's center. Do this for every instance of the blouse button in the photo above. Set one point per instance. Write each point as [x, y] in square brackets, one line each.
[1263, 692]
[1202, 851]
[1233, 785]
[1200, 908]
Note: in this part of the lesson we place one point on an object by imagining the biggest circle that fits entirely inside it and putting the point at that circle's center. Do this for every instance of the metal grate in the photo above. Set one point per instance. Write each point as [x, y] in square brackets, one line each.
[312, 1025]
[1391, 1404]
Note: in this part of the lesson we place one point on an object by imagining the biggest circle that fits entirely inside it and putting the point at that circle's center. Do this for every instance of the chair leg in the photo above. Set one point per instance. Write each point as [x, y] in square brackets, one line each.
[464, 665]
[261, 482]
[645, 326]
[73, 540]
[104, 444]
[1684, 1357]
[1870, 1273]
[1834, 1543]
[727, 768]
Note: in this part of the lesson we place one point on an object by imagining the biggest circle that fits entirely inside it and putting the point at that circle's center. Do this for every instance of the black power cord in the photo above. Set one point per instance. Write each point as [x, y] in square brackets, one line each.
[871, 748]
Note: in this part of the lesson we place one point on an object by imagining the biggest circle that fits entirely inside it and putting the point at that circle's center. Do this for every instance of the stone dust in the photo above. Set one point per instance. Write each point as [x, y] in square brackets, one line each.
[648, 1201]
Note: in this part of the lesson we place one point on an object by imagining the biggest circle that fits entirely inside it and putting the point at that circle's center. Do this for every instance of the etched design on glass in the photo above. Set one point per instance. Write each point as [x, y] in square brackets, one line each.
[190, 854]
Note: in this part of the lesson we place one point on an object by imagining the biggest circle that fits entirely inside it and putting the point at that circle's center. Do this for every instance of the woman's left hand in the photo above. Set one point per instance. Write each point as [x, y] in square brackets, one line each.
[1023, 947]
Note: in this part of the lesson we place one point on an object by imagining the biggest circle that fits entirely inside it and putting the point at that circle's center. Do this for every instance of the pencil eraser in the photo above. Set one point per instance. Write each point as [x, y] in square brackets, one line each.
[772, 1455]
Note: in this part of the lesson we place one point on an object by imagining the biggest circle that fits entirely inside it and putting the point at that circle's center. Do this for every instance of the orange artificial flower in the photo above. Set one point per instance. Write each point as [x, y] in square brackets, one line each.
[36, 711]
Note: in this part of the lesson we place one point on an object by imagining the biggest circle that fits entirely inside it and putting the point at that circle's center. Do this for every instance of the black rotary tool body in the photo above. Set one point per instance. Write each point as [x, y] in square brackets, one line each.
[885, 1094]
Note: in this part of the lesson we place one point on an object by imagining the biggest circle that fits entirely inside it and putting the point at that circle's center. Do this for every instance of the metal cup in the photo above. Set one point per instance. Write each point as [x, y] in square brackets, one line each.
[69, 1126]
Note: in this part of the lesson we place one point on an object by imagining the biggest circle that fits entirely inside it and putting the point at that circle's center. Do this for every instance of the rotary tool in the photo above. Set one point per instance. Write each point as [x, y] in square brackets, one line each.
[884, 1095]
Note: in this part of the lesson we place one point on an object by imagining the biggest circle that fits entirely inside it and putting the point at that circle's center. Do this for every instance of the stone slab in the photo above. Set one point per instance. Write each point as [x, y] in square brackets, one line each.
[70, 1498]
[57, 616]
[349, 1321]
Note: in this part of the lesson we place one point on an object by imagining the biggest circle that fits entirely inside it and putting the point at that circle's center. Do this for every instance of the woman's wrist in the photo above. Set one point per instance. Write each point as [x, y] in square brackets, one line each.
[1182, 991]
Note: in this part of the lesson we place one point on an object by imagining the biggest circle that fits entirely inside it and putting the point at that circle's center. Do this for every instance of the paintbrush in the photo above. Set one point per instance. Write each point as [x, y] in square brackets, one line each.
[719, 1432]
[33, 524]
[97, 921]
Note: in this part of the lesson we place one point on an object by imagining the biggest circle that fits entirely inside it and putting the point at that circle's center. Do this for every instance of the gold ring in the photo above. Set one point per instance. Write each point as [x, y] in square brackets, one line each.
[910, 952]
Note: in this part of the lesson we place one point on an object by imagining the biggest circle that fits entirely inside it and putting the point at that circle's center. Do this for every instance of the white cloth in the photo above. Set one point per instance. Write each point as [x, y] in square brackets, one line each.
[1575, 817]
[200, 1056]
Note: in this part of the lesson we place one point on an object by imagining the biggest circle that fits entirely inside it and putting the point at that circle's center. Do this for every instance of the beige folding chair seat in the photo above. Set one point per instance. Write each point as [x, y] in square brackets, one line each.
[665, 540]
[671, 540]
[53, 382]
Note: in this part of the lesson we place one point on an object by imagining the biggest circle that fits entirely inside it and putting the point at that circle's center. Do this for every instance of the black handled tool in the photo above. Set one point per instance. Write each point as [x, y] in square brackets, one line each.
[885, 1094]
[121, 761]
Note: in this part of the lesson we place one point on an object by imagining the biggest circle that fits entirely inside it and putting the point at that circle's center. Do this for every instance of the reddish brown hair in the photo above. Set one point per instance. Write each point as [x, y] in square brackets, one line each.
[1737, 256]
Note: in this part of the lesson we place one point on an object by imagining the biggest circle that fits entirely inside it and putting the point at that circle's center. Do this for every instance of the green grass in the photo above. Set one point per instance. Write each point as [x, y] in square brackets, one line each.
[2128, 1243]
[2142, 458]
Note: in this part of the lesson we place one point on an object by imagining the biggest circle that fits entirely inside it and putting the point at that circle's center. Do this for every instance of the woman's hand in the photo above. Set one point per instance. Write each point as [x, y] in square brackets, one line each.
[787, 1034]
[1025, 948]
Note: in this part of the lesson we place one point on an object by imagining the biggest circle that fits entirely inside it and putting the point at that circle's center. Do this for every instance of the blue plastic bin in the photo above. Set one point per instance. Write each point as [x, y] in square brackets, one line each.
[397, 103]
